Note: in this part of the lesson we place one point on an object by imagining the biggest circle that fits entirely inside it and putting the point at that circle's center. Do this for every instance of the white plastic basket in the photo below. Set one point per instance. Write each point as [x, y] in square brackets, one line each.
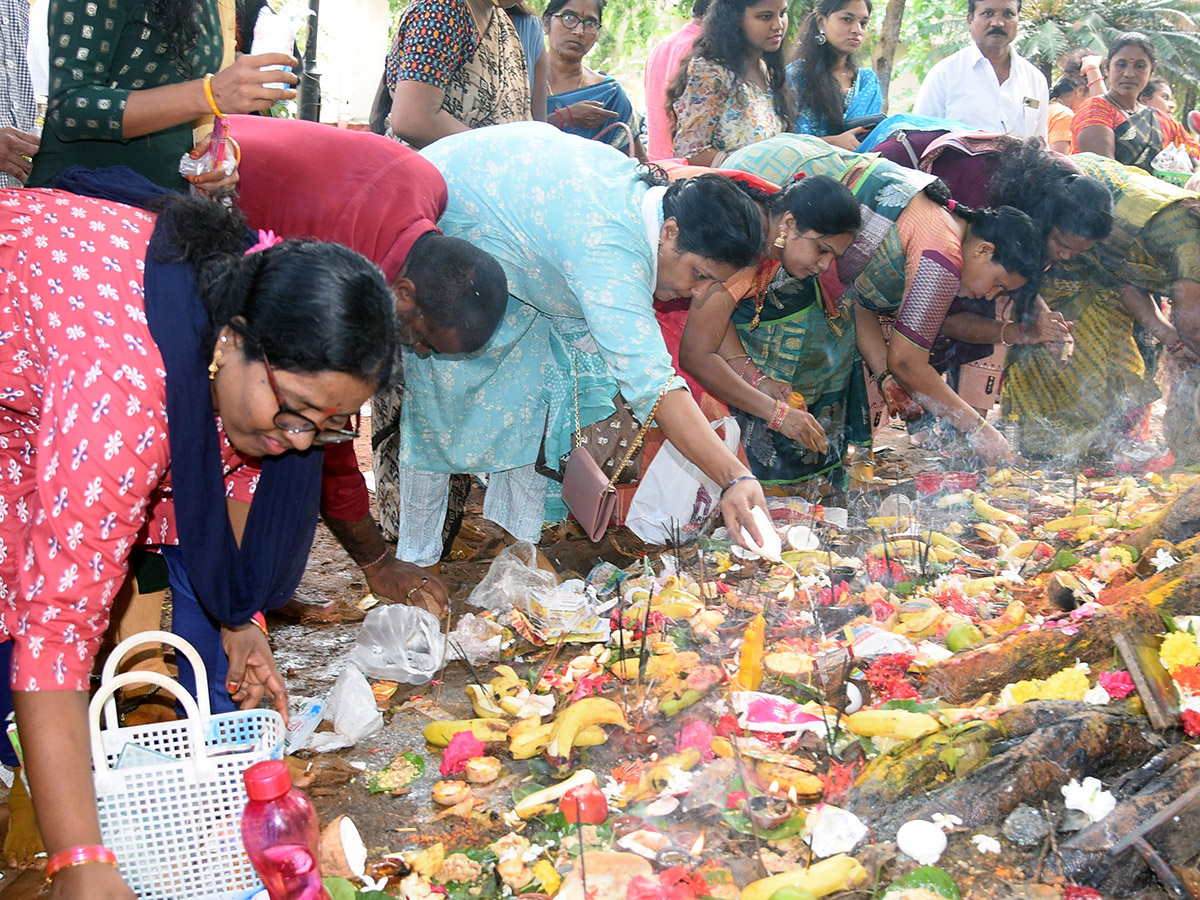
[172, 810]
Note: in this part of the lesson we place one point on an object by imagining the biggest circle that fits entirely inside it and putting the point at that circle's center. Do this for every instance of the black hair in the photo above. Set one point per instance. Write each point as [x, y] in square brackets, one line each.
[308, 306]
[1066, 85]
[555, 5]
[723, 41]
[823, 94]
[1153, 86]
[459, 287]
[699, 8]
[177, 20]
[821, 204]
[1050, 190]
[716, 219]
[971, 6]
[1020, 248]
[1133, 39]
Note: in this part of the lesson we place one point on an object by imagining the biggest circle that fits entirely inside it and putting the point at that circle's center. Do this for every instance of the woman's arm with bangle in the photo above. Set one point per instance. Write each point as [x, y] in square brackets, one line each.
[707, 336]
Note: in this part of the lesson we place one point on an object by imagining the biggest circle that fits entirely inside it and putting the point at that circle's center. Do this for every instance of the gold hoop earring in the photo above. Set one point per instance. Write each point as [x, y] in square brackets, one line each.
[212, 366]
[781, 241]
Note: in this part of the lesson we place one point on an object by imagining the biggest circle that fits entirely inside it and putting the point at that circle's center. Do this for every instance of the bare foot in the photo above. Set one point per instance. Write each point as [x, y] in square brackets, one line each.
[23, 843]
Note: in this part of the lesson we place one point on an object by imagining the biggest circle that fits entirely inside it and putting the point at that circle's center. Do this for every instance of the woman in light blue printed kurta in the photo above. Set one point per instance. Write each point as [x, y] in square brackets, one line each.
[586, 244]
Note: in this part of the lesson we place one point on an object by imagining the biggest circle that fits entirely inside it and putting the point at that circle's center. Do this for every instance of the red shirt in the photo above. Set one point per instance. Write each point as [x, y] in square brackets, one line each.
[84, 455]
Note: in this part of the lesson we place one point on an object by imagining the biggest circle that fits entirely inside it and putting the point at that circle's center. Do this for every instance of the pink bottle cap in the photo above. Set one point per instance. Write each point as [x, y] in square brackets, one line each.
[267, 780]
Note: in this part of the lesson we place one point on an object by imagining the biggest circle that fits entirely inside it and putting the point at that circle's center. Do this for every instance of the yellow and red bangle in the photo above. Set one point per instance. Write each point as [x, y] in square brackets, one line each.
[781, 411]
[261, 621]
[208, 95]
[78, 856]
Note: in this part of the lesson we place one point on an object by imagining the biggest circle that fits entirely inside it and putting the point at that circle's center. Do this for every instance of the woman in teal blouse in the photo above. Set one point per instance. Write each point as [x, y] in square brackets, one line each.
[128, 78]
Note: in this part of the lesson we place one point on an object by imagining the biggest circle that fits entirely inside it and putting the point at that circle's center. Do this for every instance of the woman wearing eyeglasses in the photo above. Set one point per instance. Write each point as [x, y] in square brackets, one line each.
[583, 101]
[151, 368]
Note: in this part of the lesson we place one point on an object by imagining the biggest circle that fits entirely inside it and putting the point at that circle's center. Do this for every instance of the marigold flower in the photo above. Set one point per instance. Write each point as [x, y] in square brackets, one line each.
[1179, 649]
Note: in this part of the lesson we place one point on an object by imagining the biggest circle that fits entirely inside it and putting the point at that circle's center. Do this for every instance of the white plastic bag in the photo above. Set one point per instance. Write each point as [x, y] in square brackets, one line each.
[674, 496]
[400, 643]
[349, 706]
[513, 576]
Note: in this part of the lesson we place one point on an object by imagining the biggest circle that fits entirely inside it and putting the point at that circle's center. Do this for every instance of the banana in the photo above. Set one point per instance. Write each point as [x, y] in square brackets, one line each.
[484, 702]
[530, 743]
[1074, 523]
[911, 548]
[490, 731]
[1022, 550]
[837, 873]
[894, 723]
[973, 587]
[985, 510]
[937, 539]
[579, 715]
[546, 800]
[949, 501]
[524, 725]
[890, 523]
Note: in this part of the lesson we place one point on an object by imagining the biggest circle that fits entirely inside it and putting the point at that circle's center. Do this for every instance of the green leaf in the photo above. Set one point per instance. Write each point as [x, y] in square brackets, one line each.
[950, 756]
[1063, 559]
[340, 888]
[398, 774]
[740, 822]
[931, 878]
[525, 789]
[910, 705]
[904, 588]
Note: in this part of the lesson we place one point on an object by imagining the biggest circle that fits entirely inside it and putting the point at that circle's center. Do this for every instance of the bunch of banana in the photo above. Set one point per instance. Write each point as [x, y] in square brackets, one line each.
[829, 876]
[1023, 550]
[565, 731]
[527, 741]
[1075, 523]
[500, 697]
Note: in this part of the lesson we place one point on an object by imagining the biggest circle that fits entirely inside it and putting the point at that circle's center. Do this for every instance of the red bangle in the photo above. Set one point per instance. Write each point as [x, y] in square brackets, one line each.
[78, 856]
[261, 621]
[759, 378]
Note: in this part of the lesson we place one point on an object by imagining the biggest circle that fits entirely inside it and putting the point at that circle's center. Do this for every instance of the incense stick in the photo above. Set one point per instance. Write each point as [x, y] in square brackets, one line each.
[737, 755]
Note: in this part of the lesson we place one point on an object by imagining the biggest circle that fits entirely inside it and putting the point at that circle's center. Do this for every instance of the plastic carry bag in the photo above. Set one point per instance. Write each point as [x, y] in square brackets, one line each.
[513, 576]
[674, 497]
[400, 643]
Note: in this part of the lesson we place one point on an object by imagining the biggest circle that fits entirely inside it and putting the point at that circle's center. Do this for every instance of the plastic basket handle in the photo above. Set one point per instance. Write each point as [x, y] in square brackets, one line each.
[154, 637]
[105, 693]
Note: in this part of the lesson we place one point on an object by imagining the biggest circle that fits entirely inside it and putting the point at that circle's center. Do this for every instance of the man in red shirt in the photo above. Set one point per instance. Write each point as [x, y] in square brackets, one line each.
[373, 195]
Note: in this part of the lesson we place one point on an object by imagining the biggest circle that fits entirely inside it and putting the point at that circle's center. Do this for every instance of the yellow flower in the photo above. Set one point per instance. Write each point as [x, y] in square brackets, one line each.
[546, 876]
[1069, 684]
[1024, 691]
[1179, 649]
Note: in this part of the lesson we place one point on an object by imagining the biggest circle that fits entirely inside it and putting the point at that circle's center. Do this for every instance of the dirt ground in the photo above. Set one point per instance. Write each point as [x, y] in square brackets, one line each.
[311, 650]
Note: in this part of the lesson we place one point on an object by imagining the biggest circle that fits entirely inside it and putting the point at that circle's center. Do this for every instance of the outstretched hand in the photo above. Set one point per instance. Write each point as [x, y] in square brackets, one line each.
[252, 669]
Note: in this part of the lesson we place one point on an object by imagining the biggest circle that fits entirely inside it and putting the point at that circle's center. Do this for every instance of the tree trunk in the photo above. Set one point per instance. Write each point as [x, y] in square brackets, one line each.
[885, 51]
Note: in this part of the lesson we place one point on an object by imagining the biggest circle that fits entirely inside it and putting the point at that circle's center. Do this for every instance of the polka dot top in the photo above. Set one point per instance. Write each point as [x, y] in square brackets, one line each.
[100, 50]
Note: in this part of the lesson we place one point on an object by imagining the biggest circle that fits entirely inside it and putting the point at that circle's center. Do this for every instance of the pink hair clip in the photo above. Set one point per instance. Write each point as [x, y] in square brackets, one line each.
[265, 239]
[950, 204]
[798, 176]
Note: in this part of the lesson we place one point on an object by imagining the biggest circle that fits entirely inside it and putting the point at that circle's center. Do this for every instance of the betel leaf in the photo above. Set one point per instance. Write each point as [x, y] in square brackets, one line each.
[931, 878]
[740, 822]
[909, 705]
[402, 771]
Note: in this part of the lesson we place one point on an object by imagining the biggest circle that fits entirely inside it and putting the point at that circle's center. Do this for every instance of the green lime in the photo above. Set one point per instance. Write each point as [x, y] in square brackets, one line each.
[962, 636]
[793, 893]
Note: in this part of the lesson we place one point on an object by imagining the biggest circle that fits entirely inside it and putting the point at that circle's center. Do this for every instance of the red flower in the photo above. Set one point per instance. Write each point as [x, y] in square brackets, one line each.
[696, 734]
[1075, 892]
[1191, 723]
[727, 725]
[676, 883]
[1119, 685]
[839, 779]
[1187, 677]
[735, 800]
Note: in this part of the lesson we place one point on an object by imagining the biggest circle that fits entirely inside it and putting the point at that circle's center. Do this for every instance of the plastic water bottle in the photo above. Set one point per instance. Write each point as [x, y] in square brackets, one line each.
[279, 830]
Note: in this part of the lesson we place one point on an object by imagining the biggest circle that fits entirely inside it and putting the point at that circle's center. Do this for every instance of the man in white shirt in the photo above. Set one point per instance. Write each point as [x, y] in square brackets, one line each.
[988, 85]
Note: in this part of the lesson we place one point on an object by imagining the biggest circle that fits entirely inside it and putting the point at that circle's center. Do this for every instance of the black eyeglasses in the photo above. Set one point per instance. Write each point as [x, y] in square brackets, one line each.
[571, 22]
[293, 422]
